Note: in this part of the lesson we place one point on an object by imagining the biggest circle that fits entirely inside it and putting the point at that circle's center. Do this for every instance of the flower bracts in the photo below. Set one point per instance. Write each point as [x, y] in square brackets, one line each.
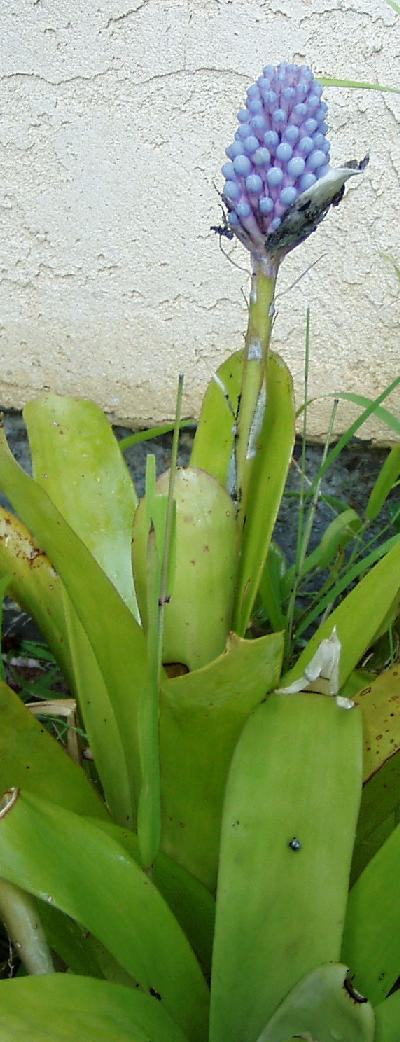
[279, 156]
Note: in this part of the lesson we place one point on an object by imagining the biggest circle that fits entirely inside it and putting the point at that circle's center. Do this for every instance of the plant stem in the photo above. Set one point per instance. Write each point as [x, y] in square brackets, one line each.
[252, 401]
[19, 913]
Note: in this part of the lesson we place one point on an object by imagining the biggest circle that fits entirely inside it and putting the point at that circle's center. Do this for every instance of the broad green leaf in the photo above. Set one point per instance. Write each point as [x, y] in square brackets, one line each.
[323, 1006]
[202, 715]
[65, 860]
[4, 585]
[370, 839]
[190, 901]
[65, 1008]
[387, 477]
[119, 646]
[215, 436]
[197, 617]
[78, 949]
[380, 707]
[32, 759]
[288, 828]
[35, 586]
[357, 619]
[387, 1016]
[267, 481]
[77, 460]
[371, 942]
[331, 81]
[99, 719]
[81, 952]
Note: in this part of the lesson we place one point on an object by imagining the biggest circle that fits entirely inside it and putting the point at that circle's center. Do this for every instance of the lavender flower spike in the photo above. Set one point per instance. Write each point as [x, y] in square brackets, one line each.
[278, 181]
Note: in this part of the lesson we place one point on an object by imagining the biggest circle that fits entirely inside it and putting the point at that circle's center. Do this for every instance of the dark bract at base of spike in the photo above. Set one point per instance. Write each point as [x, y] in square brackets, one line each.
[301, 219]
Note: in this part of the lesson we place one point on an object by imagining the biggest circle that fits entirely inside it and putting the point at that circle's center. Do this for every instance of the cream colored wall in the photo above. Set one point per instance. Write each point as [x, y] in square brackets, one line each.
[114, 119]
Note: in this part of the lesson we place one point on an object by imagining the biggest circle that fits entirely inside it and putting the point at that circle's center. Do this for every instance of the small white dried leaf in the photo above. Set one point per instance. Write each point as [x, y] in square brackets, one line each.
[322, 668]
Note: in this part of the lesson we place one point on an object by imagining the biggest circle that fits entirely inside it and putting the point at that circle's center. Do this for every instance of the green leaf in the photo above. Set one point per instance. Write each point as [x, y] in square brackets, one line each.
[99, 719]
[152, 432]
[387, 477]
[4, 585]
[190, 901]
[35, 586]
[387, 1016]
[197, 618]
[371, 942]
[270, 590]
[215, 436]
[63, 1007]
[347, 578]
[63, 859]
[295, 779]
[370, 839]
[331, 81]
[78, 949]
[370, 406]
[77, 460]
[31, 758]
[323, 1006]
[119, 646]
[380, 707]
[394, 5]
[267, 481]
[358, 618]
[202, 715]
[335, 538]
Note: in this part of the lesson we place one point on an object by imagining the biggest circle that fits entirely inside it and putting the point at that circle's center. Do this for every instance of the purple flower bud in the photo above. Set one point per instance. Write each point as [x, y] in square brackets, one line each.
[284, 151]
[279, 154]
[250, 144]
[274, 176]
[254, 184]
[262, 157]
[242, 166]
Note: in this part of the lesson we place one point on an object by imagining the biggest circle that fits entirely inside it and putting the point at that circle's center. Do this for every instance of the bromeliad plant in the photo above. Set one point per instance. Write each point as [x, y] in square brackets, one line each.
[193, 876]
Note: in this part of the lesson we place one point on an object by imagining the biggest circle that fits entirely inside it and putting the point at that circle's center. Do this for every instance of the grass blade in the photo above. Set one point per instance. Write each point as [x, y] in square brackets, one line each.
[153, 432]
[355, 622]
[352, 430]
[331, 81]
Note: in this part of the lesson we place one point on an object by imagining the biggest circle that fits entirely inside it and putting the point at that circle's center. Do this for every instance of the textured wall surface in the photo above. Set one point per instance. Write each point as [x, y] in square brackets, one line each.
[114, 119]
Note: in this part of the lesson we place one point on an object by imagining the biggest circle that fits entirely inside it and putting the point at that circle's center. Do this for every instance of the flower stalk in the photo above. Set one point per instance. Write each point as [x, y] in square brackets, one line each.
[253, 393]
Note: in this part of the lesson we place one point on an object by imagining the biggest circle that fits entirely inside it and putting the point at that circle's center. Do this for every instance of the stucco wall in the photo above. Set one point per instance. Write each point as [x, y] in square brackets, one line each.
[114, 119]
